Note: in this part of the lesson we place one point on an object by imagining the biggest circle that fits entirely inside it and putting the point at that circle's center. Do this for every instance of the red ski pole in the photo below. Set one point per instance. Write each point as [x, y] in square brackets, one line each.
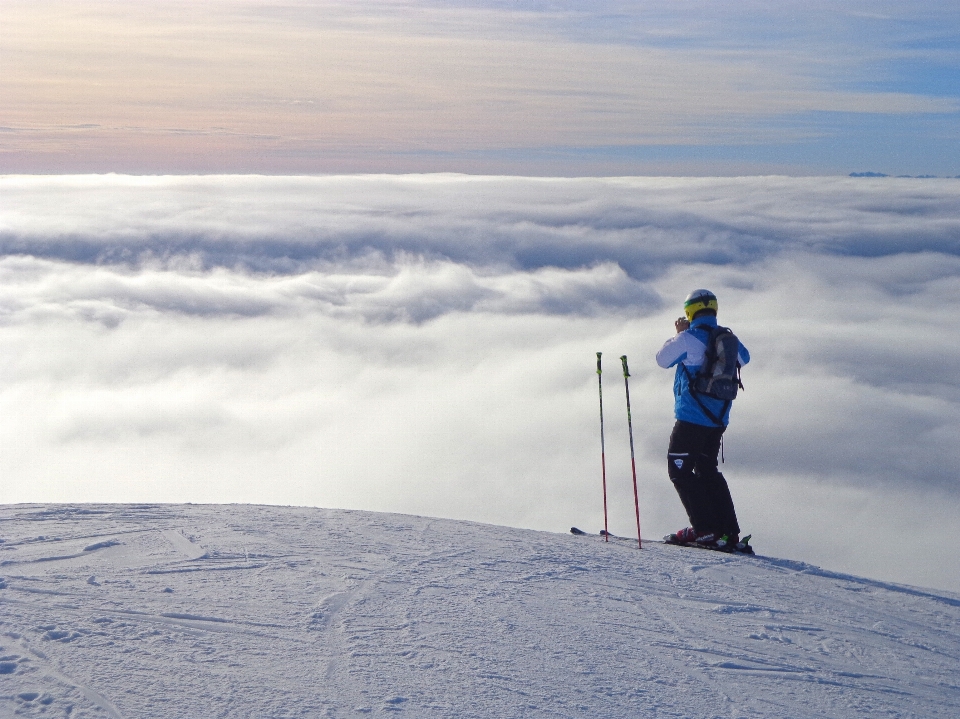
[633, 462]
[603, 455]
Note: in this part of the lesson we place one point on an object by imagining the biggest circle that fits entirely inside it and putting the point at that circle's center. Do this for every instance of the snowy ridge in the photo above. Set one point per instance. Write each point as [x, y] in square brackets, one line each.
[252, 611]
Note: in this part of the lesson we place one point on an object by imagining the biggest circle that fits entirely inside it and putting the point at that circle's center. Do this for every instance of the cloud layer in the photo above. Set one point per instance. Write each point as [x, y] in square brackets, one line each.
[646, 225]
[427, 344]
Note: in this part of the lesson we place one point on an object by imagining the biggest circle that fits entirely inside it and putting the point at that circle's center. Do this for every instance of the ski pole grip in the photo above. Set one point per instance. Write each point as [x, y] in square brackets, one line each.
[626, 372]
[598, 362]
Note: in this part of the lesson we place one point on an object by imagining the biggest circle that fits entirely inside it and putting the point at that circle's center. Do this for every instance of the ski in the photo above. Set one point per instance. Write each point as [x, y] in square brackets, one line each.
[742, 547]
[603, 533]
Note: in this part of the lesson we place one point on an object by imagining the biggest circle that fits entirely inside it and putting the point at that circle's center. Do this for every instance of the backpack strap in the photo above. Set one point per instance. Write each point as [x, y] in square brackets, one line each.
[693, 393]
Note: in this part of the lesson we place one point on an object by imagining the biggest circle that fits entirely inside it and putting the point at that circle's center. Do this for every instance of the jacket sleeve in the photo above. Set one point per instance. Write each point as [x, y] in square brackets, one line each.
[674, 350]
[743, 355]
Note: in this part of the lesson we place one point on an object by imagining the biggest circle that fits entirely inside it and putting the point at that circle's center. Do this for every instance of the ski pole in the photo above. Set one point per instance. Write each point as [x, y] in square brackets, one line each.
[633, 462]
[603, 455]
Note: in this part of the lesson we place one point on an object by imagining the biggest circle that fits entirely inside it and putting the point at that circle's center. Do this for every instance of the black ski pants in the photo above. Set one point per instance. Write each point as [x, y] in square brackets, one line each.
[692, 465]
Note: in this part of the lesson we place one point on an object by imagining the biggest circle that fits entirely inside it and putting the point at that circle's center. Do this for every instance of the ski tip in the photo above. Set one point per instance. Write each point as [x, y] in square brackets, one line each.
[574, 530]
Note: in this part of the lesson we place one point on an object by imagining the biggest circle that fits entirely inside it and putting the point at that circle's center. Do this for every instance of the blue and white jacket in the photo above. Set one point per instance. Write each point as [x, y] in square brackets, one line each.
[686, 350]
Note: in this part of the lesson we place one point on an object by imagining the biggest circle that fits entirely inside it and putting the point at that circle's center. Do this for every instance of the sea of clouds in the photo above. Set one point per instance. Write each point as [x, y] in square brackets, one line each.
[427, 344]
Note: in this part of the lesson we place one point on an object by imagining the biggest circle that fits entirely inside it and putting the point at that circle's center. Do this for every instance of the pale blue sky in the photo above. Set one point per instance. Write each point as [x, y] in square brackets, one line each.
[537, 88]
[426, 344]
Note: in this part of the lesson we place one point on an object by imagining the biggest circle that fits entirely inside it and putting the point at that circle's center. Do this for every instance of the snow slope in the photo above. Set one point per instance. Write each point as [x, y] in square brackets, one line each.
[195, 611]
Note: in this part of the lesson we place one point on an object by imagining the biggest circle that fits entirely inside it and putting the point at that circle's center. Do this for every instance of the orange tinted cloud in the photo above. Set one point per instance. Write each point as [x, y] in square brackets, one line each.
[321, 86]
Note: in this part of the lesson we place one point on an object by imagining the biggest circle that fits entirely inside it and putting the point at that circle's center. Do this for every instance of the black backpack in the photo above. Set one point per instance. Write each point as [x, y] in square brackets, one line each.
[719, 375]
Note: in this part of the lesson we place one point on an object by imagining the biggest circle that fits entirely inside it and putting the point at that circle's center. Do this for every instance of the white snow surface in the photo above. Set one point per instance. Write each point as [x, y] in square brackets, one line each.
[196, 611]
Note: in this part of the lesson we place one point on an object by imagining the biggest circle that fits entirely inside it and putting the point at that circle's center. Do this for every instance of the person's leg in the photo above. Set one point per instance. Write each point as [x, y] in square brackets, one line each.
[720, 516]
[686, 446]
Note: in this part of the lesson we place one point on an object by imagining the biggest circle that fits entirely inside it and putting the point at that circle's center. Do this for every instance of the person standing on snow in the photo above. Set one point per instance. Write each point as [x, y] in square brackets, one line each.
[701, 420]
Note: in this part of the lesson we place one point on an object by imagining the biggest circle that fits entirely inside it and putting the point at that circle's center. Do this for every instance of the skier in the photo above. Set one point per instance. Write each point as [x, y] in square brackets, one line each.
[701, 420]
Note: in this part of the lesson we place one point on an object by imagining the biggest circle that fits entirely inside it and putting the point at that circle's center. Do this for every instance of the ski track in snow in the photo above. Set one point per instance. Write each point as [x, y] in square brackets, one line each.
[194, 611]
